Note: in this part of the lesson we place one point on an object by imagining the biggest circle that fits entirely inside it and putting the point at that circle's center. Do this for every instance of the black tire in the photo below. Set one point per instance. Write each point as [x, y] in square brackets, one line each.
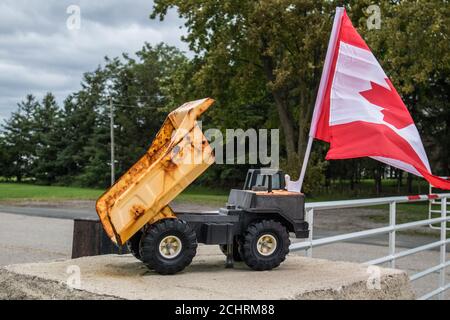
[250, 253]
[152, 255]
[237, 256]
[134, 243]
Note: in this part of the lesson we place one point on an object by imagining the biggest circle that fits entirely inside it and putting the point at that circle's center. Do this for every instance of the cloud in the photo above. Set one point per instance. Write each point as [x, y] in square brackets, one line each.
[38, 53]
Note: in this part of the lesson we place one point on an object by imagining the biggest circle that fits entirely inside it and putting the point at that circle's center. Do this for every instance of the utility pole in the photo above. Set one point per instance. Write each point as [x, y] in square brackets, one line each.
[113, 178]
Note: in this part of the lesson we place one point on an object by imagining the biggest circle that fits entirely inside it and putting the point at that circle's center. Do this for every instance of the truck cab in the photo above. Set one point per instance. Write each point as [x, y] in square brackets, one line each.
[262, 205]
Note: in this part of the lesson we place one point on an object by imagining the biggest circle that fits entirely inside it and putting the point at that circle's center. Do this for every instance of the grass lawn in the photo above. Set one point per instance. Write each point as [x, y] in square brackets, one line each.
[340, 190]
[18, 191]
[24, 191]
[197, 194]
[406, 212]
[194, 193]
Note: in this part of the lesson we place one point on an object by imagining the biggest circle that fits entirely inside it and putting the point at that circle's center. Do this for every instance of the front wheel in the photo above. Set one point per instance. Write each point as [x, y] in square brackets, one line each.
[168, 246]
[265, 245]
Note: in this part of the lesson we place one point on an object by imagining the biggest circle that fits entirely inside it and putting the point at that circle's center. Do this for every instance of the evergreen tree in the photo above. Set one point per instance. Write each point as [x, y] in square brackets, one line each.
[82, 120]
[47, 124]
[72, 140]
[5, 159]
[141, 98]
[20, 139]
[96, 172]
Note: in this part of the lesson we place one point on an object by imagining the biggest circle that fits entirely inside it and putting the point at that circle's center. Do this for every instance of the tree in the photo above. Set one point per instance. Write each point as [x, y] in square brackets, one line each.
[261, 60]
[96, 172]
[89, 144]
[138, 89]
[142, 92]
[5, 159]
[413, 47]
[254, 51]
[249, 50]
[20, 138]
[76, 130]
[73, 135]
[47, 126]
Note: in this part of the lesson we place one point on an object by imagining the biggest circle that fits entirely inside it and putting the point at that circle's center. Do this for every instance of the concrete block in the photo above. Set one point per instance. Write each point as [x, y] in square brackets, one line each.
[124, 277]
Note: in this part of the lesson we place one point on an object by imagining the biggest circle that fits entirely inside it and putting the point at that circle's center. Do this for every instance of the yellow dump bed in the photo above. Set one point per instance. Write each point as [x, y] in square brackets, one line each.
[177, 156]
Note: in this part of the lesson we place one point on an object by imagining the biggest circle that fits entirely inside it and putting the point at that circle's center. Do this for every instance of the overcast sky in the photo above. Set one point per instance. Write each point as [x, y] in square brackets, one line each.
[39, 53]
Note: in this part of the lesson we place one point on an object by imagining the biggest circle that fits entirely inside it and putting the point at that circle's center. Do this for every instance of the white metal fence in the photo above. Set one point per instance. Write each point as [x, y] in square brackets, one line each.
[434, 207]
[390, 229]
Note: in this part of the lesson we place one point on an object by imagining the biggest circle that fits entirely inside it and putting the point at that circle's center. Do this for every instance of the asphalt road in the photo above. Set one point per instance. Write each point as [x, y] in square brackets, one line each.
[59, 213]
[404, 241]
[31, 239]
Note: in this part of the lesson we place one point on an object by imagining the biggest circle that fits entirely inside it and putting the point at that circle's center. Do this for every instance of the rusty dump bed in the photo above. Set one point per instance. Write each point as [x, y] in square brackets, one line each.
[177, 156]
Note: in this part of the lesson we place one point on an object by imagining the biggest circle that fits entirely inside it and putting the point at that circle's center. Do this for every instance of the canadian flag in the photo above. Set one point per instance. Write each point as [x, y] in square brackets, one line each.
[359, 112]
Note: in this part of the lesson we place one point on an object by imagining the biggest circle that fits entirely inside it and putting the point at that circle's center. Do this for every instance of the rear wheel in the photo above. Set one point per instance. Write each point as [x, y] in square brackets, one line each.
[237, 256]
[168, 246]
[133, 244]
[265, 245]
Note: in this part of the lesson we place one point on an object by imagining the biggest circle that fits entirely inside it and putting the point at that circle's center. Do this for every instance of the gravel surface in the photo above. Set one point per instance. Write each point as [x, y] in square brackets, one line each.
[15, 286]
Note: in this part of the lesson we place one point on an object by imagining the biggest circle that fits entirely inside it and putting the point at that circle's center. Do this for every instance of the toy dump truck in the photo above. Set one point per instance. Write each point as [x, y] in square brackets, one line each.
[252, 227]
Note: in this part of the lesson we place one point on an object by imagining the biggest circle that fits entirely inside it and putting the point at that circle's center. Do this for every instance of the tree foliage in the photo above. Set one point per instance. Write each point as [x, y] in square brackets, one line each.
[261, 61]
[20, 139]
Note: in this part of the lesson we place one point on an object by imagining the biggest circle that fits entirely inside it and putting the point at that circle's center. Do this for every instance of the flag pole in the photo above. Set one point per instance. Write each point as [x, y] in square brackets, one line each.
[323, 82]
[305, 162]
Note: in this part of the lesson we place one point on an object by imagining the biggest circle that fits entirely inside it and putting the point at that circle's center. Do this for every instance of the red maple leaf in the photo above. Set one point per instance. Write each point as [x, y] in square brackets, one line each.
[394, 110]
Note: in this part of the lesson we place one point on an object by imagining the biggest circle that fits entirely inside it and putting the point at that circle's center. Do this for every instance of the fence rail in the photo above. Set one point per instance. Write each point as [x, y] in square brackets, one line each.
[433, 204]
[391, 230]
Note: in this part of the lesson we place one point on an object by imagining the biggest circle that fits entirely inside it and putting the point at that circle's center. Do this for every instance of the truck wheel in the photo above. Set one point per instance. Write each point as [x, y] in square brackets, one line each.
[133, 245]
[168, 246]
[265, 245]
[236, 250]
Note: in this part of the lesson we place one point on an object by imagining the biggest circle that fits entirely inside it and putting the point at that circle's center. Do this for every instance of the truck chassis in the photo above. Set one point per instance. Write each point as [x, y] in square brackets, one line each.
[253, 227]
